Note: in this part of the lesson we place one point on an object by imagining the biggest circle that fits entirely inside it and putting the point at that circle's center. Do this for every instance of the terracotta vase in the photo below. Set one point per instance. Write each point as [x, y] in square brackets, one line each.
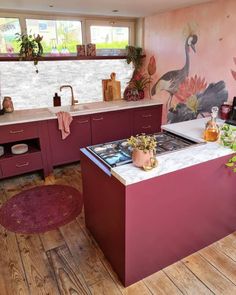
[142, 159]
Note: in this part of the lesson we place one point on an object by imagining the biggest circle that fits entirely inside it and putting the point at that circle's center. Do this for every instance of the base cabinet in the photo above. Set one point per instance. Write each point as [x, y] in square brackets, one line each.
[147, 120]
[111, 126]
[34, 159]
[68, 150]
[47, 149]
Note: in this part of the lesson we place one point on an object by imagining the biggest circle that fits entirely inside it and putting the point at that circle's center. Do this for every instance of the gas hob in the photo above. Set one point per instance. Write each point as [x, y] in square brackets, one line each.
[118, 152]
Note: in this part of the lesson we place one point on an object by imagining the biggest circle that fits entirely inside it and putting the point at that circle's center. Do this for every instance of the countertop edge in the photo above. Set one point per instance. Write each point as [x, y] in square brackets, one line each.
[45, 114]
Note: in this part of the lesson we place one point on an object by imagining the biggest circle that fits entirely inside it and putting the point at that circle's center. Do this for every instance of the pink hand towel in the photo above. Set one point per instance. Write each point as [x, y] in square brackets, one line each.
[64, 120]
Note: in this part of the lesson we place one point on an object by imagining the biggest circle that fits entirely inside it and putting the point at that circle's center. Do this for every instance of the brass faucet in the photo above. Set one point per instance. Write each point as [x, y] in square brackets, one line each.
[73, 100]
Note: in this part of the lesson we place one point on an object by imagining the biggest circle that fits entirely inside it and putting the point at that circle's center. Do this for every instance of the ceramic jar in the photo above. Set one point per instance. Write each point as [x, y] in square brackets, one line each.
[143, 159]
[7, 104]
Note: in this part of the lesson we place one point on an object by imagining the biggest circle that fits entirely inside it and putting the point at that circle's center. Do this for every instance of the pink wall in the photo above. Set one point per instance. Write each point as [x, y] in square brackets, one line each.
[214, 23]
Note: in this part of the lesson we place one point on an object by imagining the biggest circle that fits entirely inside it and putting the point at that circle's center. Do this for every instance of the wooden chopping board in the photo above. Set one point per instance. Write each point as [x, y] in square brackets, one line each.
[111, 88]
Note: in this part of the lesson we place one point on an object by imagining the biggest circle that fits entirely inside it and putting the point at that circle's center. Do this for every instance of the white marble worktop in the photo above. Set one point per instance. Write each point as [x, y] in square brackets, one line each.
[170, 162]
[31, 115]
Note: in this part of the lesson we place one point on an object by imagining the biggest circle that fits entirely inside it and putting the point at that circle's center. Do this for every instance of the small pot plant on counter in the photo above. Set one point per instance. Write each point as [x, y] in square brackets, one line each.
[30, 47]
[144, 150]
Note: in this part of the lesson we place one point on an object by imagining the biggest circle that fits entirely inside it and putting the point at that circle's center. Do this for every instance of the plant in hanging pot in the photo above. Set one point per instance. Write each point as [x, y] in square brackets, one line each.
[30, 47]
[144, 150]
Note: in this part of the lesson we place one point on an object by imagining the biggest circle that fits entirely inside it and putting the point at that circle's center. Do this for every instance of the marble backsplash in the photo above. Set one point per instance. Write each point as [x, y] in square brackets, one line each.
[31, 90]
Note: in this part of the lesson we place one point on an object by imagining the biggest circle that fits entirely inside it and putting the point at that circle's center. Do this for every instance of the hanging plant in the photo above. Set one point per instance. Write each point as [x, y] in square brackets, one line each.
[30, 47]
[134, 55]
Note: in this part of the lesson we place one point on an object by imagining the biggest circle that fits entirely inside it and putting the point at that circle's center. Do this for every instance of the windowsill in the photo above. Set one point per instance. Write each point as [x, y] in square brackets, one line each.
[66, 57]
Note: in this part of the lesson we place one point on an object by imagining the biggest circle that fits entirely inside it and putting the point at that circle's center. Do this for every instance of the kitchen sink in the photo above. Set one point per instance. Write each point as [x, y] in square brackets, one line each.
[69, 109]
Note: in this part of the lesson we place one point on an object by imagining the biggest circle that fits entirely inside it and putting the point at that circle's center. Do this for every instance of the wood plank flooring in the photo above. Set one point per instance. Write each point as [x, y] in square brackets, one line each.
[67, 261]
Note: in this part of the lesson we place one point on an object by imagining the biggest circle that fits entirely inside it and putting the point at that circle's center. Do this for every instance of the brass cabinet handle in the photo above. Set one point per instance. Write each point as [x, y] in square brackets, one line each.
[98, 119]
[83, 122]
[22, 165]
[16, 131]
[146, 127]
[147, 116]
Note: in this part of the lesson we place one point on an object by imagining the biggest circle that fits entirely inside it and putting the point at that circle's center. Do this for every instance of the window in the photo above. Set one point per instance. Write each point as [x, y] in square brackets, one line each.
[109, 37]
[110, 34]
[8, 28]
[59, 36]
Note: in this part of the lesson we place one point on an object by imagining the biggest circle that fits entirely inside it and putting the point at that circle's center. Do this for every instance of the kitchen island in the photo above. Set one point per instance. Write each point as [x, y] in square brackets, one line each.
[144, 221]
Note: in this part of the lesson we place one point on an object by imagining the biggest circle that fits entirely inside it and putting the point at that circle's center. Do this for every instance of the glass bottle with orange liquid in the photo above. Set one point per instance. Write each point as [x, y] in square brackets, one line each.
[212, 130]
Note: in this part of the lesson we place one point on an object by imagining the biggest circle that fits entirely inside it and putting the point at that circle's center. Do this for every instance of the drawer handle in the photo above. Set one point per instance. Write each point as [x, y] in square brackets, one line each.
[147, 116]
[83, 122]
[146, 127]
[16, 131]
[22, 165]
[98, 119]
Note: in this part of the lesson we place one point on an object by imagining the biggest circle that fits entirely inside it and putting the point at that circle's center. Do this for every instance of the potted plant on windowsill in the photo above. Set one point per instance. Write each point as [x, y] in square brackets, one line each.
[144, 149]
[30, 47]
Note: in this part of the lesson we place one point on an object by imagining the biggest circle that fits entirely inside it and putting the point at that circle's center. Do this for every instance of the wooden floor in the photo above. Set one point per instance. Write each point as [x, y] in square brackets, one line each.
[68, 261]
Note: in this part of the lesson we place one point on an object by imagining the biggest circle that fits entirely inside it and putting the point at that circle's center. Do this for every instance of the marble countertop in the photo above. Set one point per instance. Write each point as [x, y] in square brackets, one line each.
[170, 162]
[31, 115]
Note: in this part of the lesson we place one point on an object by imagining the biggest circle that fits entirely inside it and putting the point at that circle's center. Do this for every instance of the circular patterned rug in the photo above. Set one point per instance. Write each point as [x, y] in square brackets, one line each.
[41, 209]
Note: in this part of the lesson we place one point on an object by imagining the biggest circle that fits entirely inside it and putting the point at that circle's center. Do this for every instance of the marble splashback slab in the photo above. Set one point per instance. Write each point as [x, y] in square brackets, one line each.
[31, 90]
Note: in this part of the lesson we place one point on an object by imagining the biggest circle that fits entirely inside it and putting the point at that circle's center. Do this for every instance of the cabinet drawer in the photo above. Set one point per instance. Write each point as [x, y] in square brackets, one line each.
[21, 164]
[18, 132]
[147, 121]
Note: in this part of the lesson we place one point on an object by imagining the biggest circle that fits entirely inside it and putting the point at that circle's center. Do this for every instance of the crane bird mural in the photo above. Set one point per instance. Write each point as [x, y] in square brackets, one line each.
[170, 81]
[193, 98]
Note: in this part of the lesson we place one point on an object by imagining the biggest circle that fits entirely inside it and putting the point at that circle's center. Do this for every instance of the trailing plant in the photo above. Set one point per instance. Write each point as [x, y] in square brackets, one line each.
[30, 47]
[143, 142]
[228, 139]
[134, 55]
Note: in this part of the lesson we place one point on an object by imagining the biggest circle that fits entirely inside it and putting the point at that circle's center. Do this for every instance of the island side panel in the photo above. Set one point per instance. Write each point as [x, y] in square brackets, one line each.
[171, 216]
[104, 205]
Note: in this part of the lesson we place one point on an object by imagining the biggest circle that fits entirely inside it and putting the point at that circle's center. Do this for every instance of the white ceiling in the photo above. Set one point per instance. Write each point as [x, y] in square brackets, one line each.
[127, 8]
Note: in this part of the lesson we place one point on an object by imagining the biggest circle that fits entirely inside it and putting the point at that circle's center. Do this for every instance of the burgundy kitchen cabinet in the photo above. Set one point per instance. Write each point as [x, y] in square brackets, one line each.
[111, 126]
[68, 150]
[147, 120]
[36, 157]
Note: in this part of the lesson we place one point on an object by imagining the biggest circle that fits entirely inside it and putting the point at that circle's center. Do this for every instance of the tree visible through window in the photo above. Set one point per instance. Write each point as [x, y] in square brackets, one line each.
[59, 36]
[8, 28]
[109, 37]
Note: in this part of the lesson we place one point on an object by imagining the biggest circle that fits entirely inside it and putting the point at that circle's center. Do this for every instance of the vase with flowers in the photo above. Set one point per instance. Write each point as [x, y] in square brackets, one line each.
[143, 151]
[136, 87]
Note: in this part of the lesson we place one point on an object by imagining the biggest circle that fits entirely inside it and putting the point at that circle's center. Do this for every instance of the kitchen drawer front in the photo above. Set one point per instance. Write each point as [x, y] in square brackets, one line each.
[17, 132]
[21, 164]
[147, 120]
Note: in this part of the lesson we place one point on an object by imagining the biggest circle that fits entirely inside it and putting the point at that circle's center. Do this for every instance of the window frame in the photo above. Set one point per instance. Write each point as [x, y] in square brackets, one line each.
[86, 22]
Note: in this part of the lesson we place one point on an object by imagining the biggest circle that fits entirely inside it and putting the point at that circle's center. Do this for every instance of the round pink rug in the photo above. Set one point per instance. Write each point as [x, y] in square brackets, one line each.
[41, 209]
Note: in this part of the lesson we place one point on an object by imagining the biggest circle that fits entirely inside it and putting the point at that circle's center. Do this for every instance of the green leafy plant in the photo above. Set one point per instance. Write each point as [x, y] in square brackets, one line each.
[228, 136]
[228, 139]
[143, 142]
[232, 163]
[134, 55]
[139, 82]
[30, 47]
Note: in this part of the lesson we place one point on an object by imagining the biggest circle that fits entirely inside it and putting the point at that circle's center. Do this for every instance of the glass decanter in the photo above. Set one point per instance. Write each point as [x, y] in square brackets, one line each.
[212, 130]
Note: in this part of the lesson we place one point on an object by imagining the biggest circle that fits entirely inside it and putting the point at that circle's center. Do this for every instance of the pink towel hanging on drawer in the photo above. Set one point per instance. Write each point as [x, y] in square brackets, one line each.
[64, 120]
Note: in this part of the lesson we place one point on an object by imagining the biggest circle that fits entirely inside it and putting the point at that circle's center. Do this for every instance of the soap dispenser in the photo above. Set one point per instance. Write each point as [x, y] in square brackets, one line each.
[56, 100]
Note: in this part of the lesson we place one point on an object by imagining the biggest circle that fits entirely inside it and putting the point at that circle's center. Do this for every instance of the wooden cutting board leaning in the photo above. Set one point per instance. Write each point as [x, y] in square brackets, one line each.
[111, 88]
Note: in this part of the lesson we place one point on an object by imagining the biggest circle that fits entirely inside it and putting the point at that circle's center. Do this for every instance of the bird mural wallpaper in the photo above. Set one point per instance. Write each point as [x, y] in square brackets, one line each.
[189, 97]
